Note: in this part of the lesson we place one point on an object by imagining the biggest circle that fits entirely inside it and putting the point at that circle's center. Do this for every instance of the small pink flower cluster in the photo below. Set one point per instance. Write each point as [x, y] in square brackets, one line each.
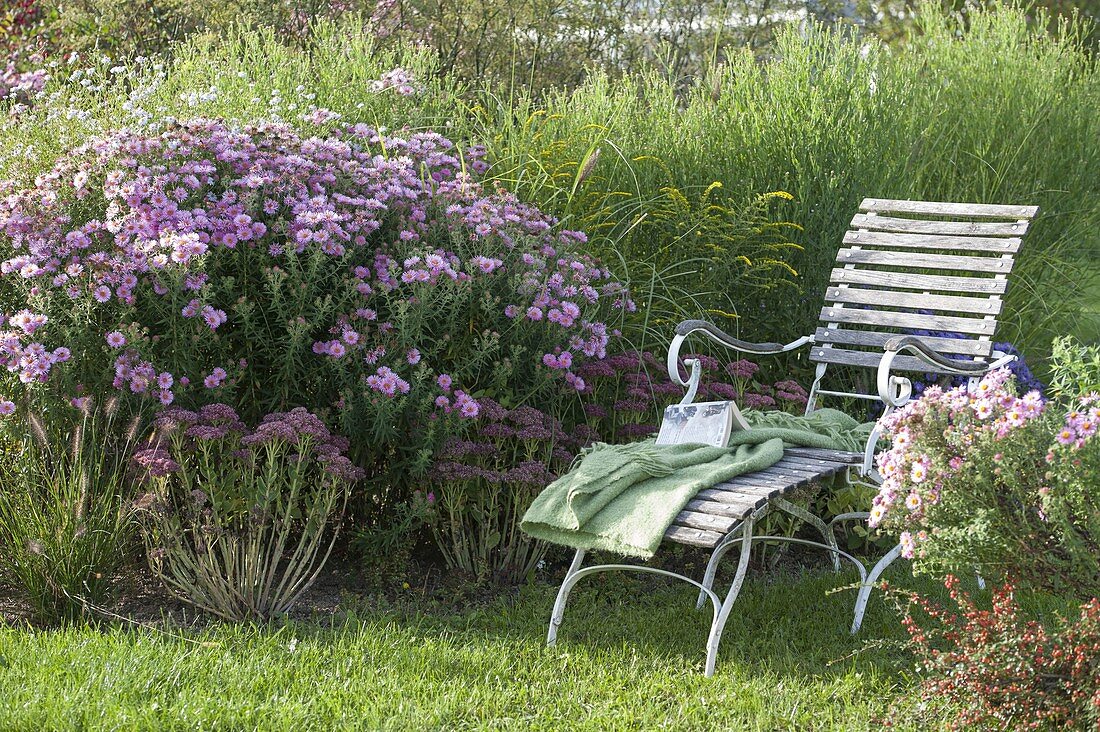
[464, 404]
[21, 86]
[386, 381]
[932, 438]
[397, 79]
[31, 360]
[141, 377]
[1081, 424]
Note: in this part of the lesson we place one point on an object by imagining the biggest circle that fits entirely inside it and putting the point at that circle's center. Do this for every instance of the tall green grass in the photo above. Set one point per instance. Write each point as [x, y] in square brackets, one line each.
[995, 112]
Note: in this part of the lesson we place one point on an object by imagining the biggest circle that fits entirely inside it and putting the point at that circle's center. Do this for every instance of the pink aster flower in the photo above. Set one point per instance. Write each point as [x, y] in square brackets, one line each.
[115, 339]
[908, 545]
[413, 356]
[7, 408]
[102, 293]
[213, 317]
[983, 408]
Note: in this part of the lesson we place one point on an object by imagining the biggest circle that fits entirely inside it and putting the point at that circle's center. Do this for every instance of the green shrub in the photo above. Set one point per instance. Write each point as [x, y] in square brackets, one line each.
[1075, 368]
[65, 525]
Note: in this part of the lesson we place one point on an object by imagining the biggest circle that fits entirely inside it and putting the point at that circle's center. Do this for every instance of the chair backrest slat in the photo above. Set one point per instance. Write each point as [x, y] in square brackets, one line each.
[871, 360]
[875, 339]
[919, 321]
[999, 265]
[949, 228]
[945, 303]
[933, 241]
[925, 268]
[969, 210]
[907, 281]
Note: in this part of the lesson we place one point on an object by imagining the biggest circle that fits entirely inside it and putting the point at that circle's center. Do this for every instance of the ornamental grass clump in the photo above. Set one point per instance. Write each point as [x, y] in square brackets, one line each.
[983, 479]
[239, 521]
[64, 524]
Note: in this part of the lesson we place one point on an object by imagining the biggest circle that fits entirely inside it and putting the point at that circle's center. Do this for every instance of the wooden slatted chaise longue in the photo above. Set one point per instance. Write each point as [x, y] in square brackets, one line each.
[907, 267]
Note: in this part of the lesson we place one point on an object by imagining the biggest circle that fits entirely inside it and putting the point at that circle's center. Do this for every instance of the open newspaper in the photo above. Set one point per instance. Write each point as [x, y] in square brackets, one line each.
[705, 423]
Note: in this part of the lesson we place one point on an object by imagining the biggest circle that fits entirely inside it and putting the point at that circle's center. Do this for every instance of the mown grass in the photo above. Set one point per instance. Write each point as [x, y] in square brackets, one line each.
[630, 657]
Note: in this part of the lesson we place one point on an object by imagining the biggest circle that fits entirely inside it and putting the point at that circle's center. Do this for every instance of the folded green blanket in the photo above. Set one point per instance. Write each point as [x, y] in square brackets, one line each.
[622, 498]
[828, 429]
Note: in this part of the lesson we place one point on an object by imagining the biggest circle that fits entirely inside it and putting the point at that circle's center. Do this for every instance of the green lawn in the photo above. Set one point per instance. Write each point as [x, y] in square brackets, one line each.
[630, 657]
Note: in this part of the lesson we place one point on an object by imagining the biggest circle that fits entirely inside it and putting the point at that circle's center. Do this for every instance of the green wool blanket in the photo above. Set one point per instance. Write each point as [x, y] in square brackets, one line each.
[622, 498]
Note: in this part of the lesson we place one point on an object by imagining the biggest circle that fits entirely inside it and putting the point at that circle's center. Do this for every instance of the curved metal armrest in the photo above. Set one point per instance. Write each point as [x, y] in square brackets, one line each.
[895, 391]
[686, 328]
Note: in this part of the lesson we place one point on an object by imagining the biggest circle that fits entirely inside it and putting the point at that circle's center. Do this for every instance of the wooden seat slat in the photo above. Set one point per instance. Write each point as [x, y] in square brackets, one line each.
[706, 521]
[693, 537]
[734, 501]
[720, 508]
[950, 228]
[838, 456]
[815, 464]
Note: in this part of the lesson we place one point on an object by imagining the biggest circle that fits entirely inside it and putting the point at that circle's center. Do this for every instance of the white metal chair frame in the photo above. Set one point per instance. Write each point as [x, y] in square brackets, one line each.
[893, 391]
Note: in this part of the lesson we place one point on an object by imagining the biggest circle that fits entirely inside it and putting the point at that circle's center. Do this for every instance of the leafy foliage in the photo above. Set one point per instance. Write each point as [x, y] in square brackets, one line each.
[997, 668]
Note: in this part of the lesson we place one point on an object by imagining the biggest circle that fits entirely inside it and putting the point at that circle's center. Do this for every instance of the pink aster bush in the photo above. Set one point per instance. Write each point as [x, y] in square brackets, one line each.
[983, 479]
[345, 273]
[236, 519]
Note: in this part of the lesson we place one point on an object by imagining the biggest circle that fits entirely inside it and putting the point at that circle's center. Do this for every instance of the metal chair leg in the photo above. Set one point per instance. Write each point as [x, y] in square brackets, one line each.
[825, 530]
[563, 597]
[868, 584]
[720, 622]
[715, 558]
